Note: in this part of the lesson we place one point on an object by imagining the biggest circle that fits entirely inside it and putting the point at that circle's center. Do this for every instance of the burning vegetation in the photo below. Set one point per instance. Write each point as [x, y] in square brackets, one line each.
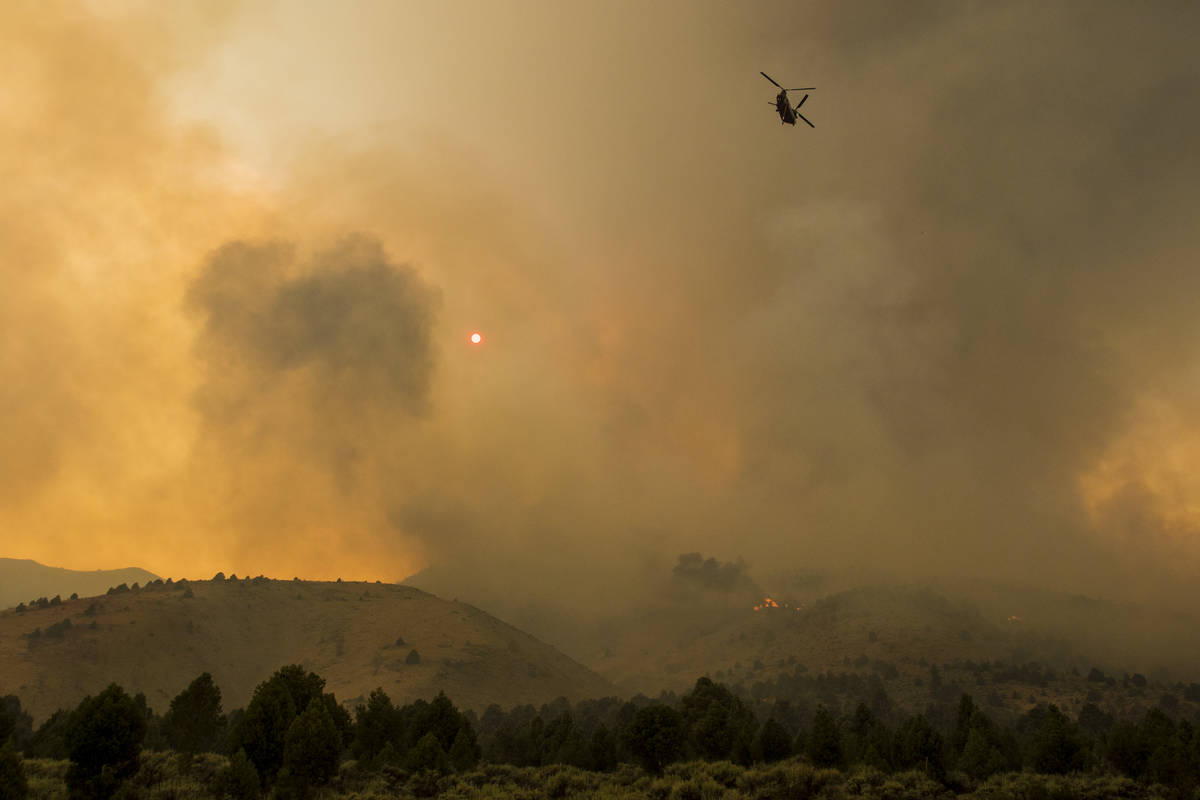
[768, 603]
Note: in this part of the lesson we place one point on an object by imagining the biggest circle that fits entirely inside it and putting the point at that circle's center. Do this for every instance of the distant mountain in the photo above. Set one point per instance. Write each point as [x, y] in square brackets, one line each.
[22, 580]
[358, 636]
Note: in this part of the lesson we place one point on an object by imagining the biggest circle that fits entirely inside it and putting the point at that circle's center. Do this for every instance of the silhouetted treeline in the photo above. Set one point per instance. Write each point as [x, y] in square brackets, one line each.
[293, 737]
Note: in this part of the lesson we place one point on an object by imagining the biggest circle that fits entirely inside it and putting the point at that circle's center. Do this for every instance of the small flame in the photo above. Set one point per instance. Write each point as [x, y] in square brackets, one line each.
[769, 602]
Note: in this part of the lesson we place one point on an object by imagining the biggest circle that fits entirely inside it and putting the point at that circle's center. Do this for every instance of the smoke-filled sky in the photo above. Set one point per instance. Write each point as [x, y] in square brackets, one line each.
[952, 329]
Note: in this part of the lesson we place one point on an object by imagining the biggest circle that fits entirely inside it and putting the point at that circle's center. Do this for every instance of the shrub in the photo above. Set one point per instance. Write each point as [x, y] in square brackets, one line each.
[239, 780]
[13, 785]
[786, 780]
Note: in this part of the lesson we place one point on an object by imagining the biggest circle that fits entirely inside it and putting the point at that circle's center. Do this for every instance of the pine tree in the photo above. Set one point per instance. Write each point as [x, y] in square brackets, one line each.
[656, 736]
[376, 725]
[104, 740]
[427, 755]
[772, 743]
[465, 752]
[919, 746]
[312, 749]
[1056, 748]
[602, 752]
[824, 742]
[194, 722]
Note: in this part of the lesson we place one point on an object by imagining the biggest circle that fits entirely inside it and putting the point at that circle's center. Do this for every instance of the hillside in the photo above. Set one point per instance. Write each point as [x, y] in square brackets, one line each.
[22, 580]
[906, 628]
[356, 635]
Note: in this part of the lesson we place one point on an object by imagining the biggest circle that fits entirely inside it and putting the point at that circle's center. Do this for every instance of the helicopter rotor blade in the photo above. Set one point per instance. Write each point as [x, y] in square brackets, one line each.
[801, 116]
[802, 89]
[768, 77]
[802, 99]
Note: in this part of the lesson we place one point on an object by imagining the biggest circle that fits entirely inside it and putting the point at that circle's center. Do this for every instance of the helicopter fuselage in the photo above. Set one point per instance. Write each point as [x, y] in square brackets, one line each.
[786, 113]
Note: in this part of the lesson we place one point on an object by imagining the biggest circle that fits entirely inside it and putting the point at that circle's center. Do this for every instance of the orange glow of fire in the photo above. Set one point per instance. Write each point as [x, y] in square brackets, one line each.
[772, 603]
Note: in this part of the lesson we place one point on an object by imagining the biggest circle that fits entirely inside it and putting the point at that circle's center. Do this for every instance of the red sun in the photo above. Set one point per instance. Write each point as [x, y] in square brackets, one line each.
[476, 338]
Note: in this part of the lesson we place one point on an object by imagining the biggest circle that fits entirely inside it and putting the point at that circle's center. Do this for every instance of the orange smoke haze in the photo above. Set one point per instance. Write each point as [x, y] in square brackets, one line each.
[948, 330]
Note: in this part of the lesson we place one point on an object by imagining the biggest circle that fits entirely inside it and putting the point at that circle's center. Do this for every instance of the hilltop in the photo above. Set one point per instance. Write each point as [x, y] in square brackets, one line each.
[23, 580]
[358, 636]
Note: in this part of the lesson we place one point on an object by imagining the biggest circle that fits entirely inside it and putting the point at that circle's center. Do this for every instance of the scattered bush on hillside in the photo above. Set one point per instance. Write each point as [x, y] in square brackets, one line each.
[120, 589]
[413, 658]
[59, 629]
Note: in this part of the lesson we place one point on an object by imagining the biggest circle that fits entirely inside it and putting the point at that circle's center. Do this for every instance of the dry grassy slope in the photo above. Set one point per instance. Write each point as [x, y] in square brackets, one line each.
[670, 648]
[156, 640]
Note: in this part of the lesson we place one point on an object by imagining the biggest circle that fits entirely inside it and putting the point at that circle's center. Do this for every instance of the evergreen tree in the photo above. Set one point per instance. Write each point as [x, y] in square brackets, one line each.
[1124, 750]
[13, 785]
[718, 724]
[554, 740]
[440, 718]
[772, 743]
[104, 739]
[8, 720]
[919, 746]
[1057, 748]
[981, 758]
[376, 724]
[194, 722]
[655, 737]
[602, 751]
[465, 752]
[15, 723]
[277, 701]
[824, 742]
[312, 748]
[427, 755]
[50, 739]
[264, 726]
[869, 741]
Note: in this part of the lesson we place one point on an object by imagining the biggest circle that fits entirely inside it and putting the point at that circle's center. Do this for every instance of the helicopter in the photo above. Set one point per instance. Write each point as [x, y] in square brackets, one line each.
[787, 114]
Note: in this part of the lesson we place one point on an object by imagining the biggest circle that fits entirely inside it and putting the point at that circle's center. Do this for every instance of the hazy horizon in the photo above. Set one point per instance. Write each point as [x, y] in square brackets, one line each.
[948, 331]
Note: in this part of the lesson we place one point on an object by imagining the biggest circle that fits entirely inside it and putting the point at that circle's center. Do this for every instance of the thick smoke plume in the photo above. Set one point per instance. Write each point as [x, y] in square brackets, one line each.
[949, 330]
